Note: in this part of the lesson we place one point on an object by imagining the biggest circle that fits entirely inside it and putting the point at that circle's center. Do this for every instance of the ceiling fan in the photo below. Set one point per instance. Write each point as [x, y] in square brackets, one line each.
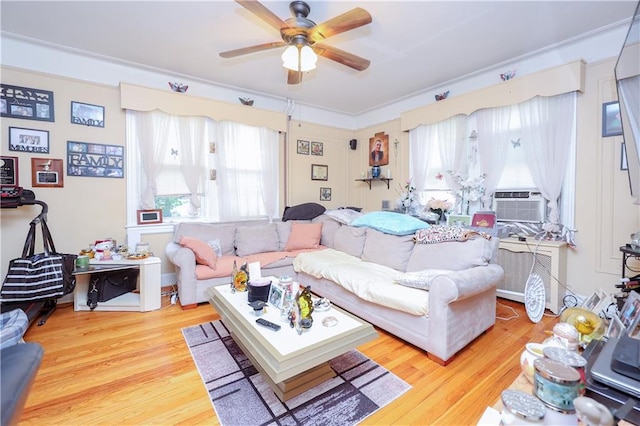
[303, 36]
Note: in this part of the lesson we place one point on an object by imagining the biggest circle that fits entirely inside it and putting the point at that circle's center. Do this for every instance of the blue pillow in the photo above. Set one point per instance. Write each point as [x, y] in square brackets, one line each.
[390, 223]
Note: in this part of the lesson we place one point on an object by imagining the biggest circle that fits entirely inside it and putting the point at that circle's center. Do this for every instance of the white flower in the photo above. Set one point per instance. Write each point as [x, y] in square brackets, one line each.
[470, 188]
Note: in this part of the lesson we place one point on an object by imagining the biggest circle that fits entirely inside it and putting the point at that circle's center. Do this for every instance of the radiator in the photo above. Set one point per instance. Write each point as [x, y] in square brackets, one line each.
[516, 258]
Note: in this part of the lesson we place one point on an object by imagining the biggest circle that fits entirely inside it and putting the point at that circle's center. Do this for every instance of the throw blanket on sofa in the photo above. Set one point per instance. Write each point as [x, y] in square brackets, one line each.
[369, 281]
[440, 233]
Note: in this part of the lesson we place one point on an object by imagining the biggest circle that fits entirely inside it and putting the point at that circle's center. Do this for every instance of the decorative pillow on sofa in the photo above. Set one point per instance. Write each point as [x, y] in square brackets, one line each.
[204, 253]
[216, 246]
[206, 232]
[390, 223]
[329, 228]
[388, 250]
[452, 255]
[256, 239]
[344, 216]
[304, 236]
[302, 211]
[350, 240]
[420, 279]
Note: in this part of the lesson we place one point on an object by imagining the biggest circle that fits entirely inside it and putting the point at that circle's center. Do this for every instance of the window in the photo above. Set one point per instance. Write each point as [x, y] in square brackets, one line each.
[194, 168]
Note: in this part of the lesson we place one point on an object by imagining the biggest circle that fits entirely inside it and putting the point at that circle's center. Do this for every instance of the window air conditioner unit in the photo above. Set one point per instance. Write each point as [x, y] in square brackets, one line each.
[519, 206]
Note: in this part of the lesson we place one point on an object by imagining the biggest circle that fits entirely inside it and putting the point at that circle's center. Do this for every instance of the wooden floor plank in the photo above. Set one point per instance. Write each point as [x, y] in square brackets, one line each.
[131, 368]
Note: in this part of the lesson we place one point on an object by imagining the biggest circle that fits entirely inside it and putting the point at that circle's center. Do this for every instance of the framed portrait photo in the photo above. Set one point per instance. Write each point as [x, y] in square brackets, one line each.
[631, 309]
[276, 295]
[615, 327]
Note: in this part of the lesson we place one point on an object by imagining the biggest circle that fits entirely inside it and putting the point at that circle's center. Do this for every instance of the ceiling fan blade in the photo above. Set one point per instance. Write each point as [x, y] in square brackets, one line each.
[252, 49]
[345, 58]
[263, 13]
[347, 21]
[294, 77]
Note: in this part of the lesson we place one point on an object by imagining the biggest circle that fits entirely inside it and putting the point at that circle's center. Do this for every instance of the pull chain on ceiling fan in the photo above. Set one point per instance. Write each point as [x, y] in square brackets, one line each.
[303, 36]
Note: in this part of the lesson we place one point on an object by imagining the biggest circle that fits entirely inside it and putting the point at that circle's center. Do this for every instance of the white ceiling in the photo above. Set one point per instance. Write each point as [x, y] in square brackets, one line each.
[412, 45]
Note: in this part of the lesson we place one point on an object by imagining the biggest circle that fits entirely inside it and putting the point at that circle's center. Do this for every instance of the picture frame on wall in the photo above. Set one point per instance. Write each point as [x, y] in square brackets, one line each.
[28, 140]
[611, 121]
[316, 148]
[95, 160]
[303, 147]
[26, 103]
[87, 114]
[319, 172]
[325, 194]
[148, 217]
[47, 172]
[9, 171]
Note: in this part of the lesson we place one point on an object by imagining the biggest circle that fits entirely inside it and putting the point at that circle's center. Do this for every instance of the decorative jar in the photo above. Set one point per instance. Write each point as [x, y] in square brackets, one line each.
[531, 352]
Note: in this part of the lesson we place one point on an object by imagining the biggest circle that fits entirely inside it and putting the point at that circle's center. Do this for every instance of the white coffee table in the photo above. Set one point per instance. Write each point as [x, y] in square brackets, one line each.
[290, 363]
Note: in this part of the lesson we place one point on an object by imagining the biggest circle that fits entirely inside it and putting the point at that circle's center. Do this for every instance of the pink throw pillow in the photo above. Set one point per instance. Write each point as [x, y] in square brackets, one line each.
[203, 251]
[304, 236]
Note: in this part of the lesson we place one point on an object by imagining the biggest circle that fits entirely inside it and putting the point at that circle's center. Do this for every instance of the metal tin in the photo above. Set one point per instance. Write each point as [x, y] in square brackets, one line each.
[571, 359]
[556, 384]
[520, 408]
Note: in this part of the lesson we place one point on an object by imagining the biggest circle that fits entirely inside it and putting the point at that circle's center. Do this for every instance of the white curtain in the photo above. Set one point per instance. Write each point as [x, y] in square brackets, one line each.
[548, 125]
[248, 167]
[152, 137]
[420, 140]
[453, 137]
[191, 140]
[493, 144]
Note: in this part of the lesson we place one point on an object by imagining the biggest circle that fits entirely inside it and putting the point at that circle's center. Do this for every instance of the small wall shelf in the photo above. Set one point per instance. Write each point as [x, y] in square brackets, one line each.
[369, 180]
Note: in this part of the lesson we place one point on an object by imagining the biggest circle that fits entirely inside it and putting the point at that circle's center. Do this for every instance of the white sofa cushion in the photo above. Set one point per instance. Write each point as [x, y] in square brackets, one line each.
[350, 240]
[420, 279]
[329, 228]
[388, 250]
[256, 239]
[369, 281]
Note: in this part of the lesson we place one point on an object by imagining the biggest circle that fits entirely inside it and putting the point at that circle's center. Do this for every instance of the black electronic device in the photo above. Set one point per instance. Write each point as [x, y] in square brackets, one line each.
[263, 322]
[626, 355]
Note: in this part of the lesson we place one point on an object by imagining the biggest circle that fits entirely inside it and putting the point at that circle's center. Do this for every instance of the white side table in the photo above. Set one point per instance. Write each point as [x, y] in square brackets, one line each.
[147, 299]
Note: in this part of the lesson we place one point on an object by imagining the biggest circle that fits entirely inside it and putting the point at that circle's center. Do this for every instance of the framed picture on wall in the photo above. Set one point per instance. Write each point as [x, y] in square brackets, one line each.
[28, 140]
[316, 148]
[47, 172]
[9, 171]
[87, 114]
[611, 122]
[319, 172]
[303, 147]
[325, 194]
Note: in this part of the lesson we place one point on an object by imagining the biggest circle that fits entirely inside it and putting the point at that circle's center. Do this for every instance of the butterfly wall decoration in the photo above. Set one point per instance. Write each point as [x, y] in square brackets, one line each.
[515, 143]
[246, 101]
[508, 75]
[178, 87]
[174, 153]
[442, 96]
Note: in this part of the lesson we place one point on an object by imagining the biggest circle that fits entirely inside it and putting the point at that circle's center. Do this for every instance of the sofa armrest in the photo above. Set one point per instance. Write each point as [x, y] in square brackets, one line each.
[460, 285]
[185, 261]
[20, 364]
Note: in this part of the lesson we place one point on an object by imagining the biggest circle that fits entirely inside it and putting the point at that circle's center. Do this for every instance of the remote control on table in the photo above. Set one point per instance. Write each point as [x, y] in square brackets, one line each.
[263, 322]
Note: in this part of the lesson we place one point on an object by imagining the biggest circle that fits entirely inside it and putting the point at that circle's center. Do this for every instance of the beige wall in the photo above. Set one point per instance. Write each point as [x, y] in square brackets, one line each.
[605, 215]
[86, 208]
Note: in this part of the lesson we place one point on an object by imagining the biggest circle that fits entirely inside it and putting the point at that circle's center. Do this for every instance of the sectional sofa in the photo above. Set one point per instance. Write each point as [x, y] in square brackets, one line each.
[438, 293]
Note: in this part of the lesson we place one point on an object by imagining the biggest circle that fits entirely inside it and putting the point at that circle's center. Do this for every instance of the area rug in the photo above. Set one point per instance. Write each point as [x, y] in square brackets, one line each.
[241, 397]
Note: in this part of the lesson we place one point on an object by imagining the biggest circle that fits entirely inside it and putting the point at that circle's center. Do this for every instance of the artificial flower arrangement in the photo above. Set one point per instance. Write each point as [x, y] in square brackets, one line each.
[470, 188]
[407, 197]
[438, 206]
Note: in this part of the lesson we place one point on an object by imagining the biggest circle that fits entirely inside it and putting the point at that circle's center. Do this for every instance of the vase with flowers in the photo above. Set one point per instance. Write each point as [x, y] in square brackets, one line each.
[438, 207]
[469, 189]
[407, 198]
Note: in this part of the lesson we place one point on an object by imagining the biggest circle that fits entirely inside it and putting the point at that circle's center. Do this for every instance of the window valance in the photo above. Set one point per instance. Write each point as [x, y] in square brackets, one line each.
[139, 98]
[551, 82]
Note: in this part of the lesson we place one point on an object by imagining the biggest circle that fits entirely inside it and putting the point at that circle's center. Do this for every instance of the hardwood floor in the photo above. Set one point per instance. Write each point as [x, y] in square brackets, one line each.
[131, 368]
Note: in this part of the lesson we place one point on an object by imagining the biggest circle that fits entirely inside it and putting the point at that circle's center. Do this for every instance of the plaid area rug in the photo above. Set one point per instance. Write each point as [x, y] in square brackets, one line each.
[240, 396]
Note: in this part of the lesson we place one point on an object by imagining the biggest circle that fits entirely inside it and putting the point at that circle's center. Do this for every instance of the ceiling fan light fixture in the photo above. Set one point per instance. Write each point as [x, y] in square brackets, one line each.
[299, 58]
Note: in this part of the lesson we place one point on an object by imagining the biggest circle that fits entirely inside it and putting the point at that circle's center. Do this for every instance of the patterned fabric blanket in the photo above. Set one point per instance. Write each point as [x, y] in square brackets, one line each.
[440, 233]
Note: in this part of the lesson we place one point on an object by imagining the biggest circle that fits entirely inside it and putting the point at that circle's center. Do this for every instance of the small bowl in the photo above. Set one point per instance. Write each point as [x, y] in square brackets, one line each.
[532, 352]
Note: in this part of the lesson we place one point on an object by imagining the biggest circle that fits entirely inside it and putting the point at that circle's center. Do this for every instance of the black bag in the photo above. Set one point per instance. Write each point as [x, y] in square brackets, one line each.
[108, 285]
[39, 276]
